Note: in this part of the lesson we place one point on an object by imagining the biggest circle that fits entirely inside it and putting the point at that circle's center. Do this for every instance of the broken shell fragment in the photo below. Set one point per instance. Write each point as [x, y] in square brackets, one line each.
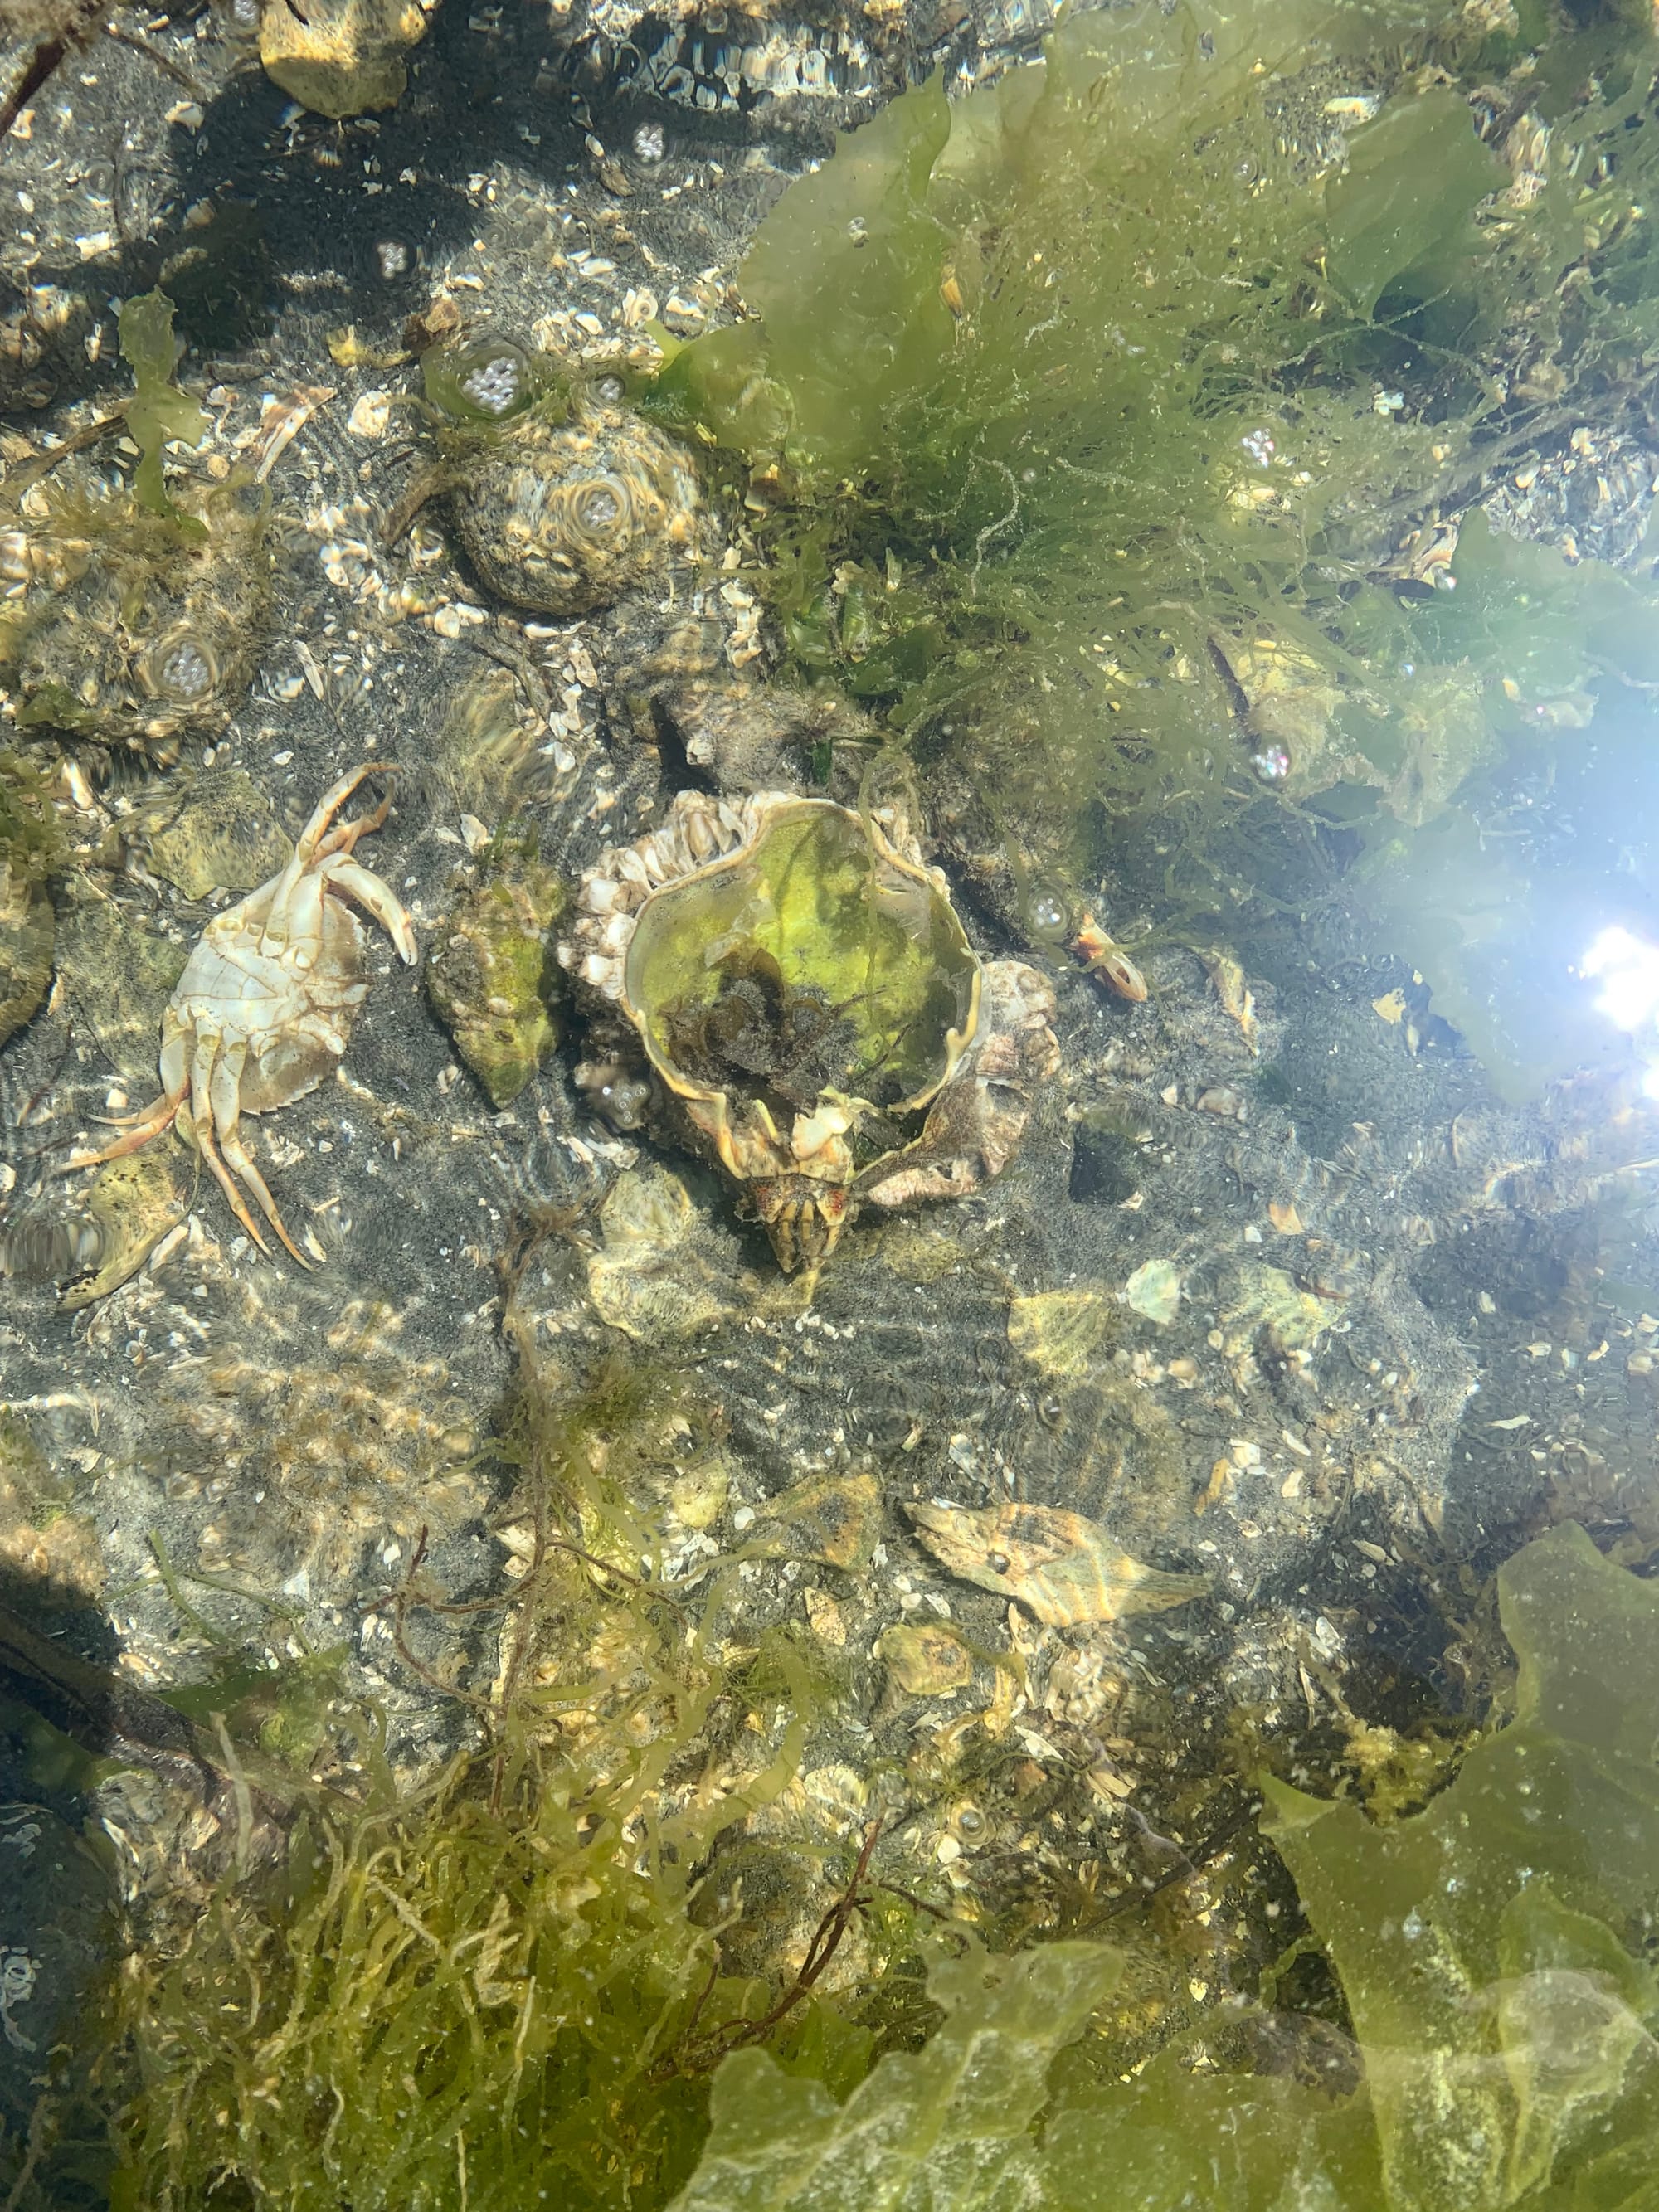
[835, 1520]
[1064, 1569]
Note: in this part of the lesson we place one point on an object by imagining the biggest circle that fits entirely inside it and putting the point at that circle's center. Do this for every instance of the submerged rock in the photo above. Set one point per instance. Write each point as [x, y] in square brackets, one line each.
[224, 838]
[341, 58]
[491, 975]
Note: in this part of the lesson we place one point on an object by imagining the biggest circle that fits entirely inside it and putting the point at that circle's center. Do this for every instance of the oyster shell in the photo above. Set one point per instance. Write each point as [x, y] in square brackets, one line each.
[802, 988]
[1061, 1567]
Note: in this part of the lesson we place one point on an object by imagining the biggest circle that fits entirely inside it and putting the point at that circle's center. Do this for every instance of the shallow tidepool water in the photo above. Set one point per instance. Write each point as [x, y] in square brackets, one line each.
[1135, 1683]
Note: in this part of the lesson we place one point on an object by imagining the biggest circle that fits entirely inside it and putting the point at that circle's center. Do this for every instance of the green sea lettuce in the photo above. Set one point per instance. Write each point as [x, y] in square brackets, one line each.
[158, 414]
[1491, 1947]
[1089, 416]
[1491, 1950]
[945, 2128]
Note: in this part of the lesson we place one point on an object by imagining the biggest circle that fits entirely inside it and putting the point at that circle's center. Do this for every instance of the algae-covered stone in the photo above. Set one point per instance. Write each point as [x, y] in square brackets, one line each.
[120, 976]
[341, 58]
[490, 974]
[1059, 1331]
[130, 1204]
[834, 1519]
[652, 1279]
[224, 838]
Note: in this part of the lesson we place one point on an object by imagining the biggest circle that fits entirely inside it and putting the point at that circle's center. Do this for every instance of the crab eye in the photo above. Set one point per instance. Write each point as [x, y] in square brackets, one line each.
[182, 668]
[486, 381]
[998, 1562]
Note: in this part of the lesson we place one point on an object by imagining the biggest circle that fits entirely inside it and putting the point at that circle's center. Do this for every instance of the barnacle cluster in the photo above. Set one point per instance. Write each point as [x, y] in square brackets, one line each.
[562, 497]
[125, 617]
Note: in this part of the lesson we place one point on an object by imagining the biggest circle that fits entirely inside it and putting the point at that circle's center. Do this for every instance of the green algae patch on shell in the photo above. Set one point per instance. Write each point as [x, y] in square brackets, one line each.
[224, 838]
[130, 1204]
[491, 975]
[562, 511]
[810, 906]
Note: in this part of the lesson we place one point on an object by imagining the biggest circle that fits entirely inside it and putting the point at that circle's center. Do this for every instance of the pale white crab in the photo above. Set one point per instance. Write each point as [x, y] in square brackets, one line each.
[265, 1004]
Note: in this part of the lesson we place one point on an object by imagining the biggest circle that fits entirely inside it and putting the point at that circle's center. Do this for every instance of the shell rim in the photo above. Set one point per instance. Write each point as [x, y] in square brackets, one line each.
[956, 1039]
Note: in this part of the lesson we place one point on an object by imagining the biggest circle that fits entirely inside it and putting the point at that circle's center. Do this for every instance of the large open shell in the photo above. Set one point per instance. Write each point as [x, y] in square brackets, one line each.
[845, 906]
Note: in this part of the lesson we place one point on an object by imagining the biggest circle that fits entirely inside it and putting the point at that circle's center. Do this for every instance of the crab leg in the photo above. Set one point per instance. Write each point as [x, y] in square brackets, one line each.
[283, 921]
[376, 898]
[150, 1123]
[141, 1127]
[201, 1121]
[225, 1095]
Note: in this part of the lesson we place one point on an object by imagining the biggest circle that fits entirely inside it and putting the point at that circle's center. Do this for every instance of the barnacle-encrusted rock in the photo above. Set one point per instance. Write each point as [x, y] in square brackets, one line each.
[125, 626]
[563, 498]
[1063, 1568]
[803, 990]
[341, 58]
[491, 973]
